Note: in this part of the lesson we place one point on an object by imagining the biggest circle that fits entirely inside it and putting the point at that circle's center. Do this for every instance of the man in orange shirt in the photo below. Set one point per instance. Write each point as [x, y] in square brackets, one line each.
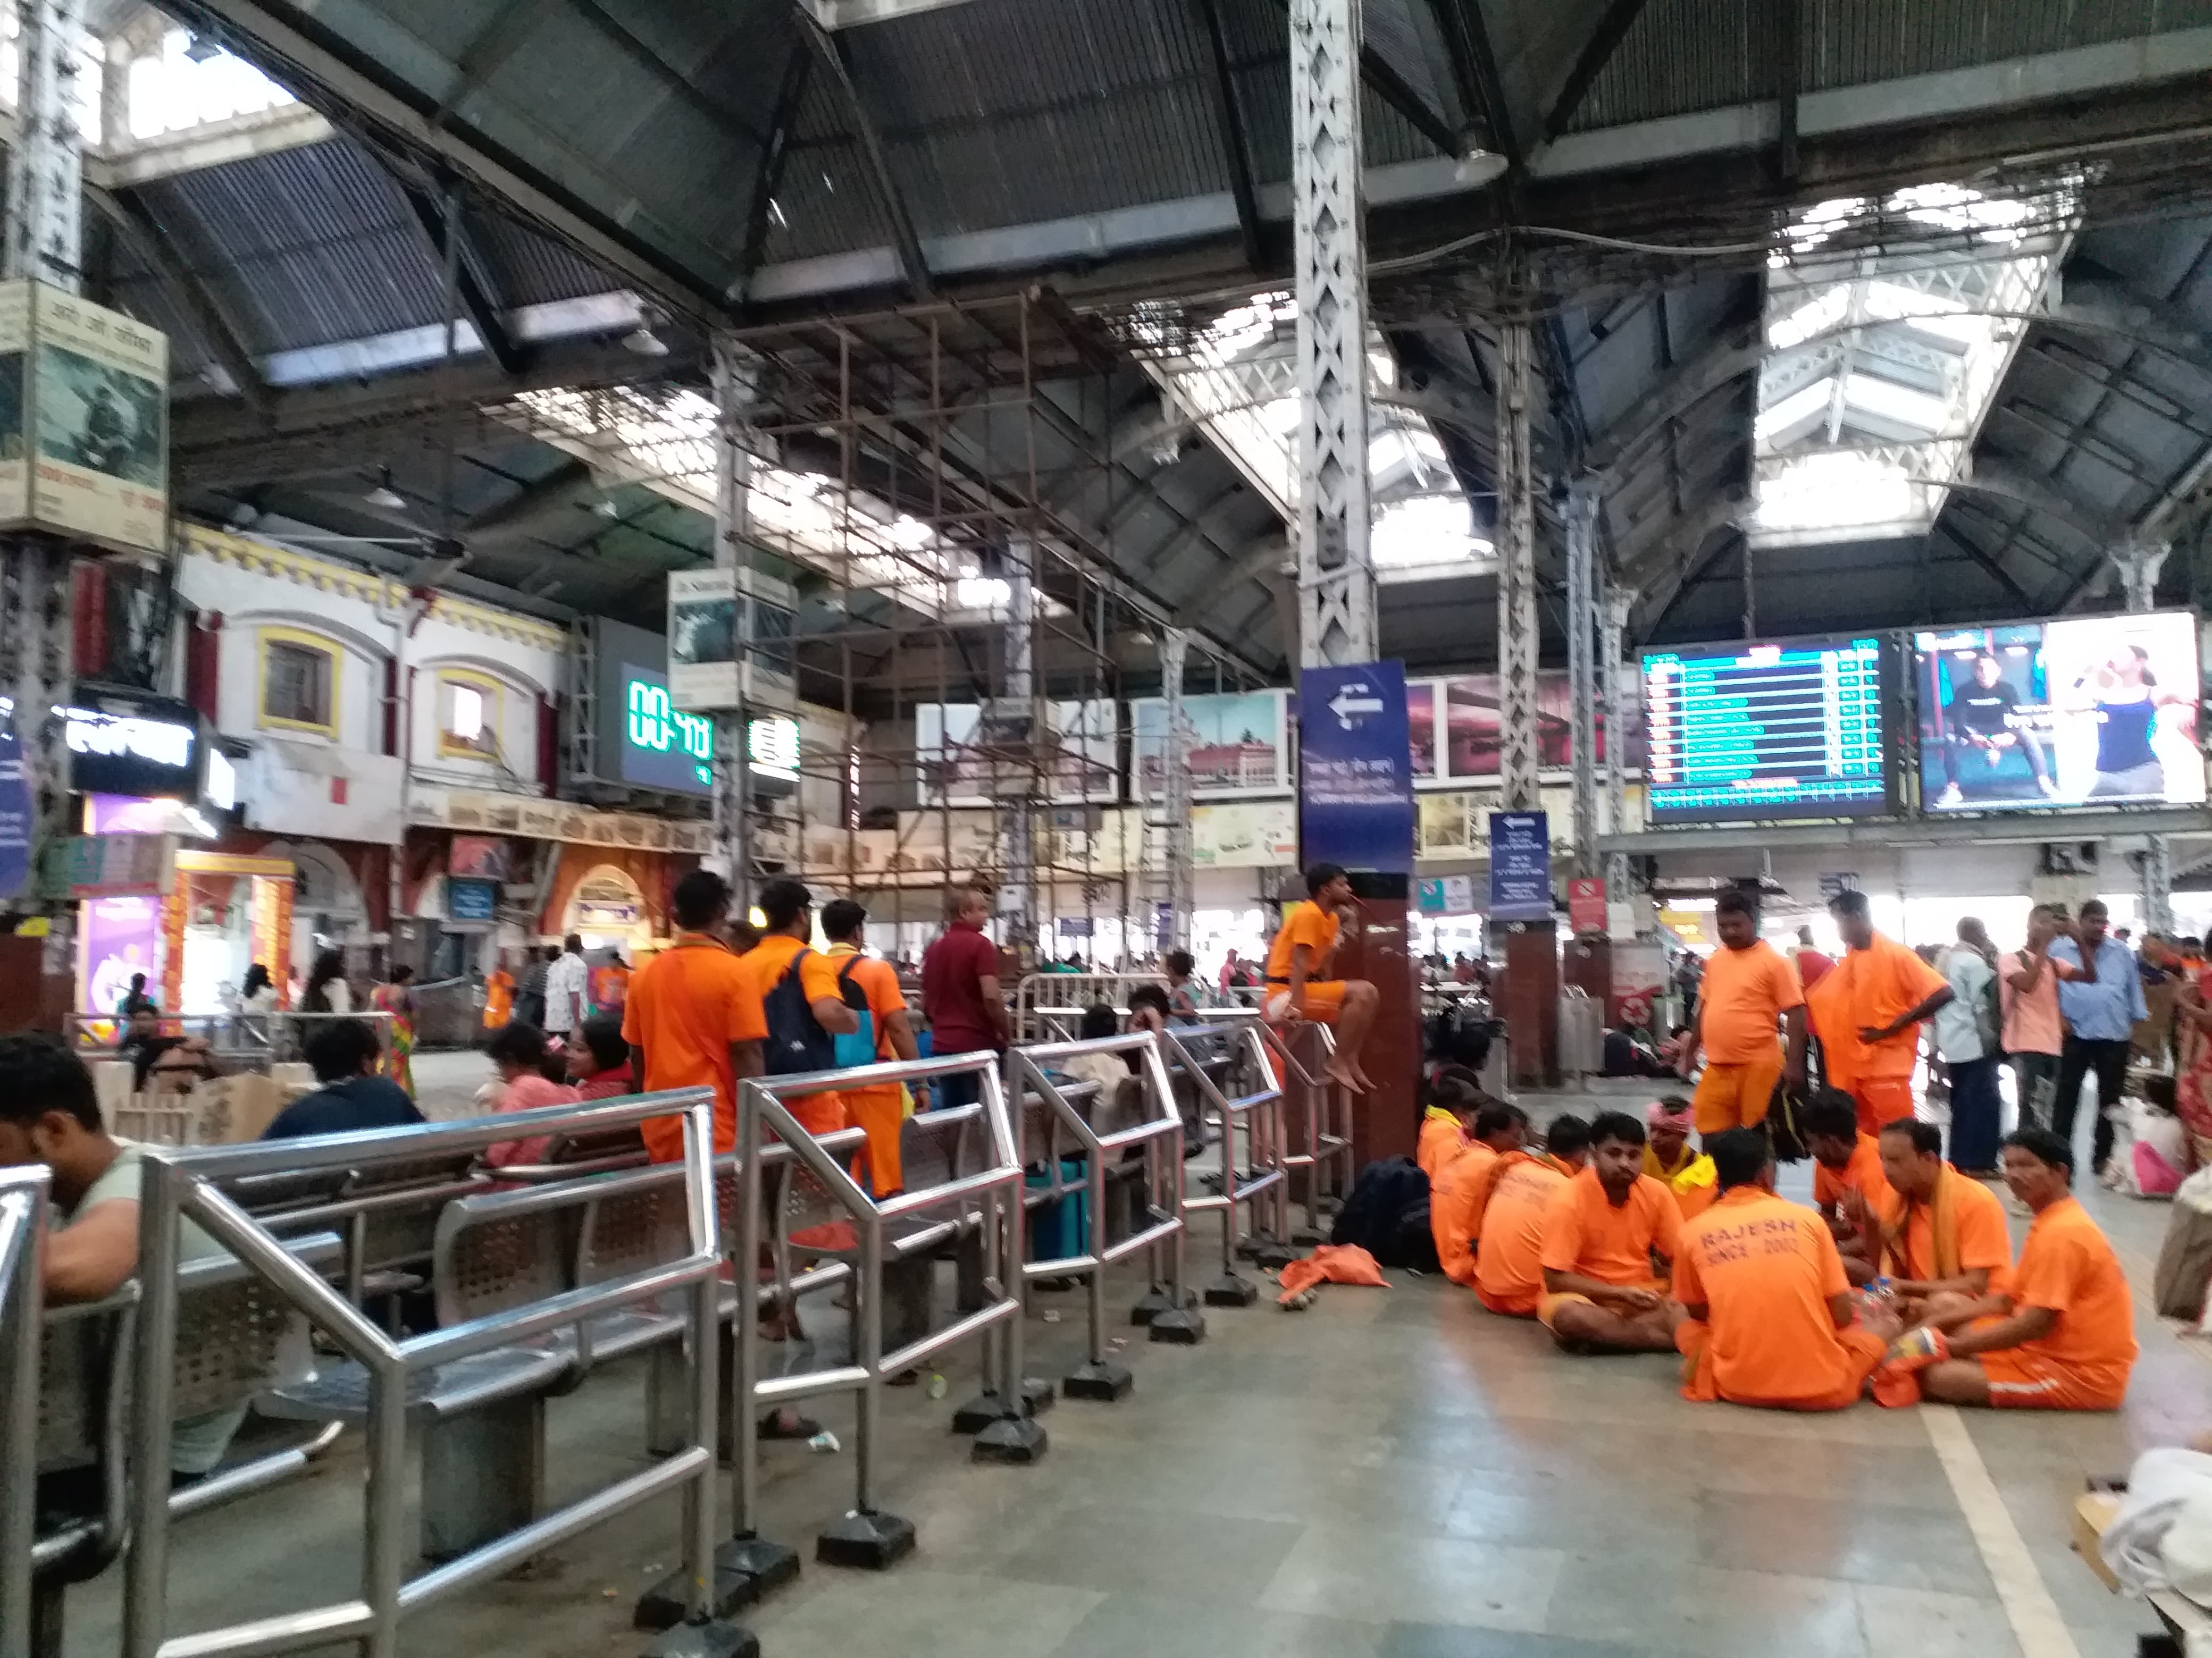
[879, 1110]
[1510, 1200]
[1768, 1317]
[1602, 1231]
[1298, 961]
[2068, 1340]
[1498, 1128]
[693, 1018]
[1868, 1013]
[1749, 988]
[788, 909]
[1940, 1237]
[1454, 1098]
[1849, 1188]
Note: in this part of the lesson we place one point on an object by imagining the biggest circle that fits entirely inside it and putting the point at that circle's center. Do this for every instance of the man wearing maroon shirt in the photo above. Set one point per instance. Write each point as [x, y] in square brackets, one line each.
[960, 994]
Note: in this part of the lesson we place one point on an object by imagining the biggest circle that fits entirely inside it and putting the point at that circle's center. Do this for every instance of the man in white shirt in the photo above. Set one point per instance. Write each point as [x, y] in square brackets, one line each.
[567, 982]
[1965, 1037]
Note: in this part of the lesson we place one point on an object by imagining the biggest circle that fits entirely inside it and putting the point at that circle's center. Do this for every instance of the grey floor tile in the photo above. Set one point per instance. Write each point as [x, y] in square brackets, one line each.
[1153, 1550]
[1377, 1576]
[1658, 1607]
[1123, 1626]
[1443, 1641]
[1928, 1625]
[913, 1610]
[1813, 1537]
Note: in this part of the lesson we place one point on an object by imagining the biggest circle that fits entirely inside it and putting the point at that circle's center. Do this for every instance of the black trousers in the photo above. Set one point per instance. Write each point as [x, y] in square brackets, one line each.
[2079, 1057]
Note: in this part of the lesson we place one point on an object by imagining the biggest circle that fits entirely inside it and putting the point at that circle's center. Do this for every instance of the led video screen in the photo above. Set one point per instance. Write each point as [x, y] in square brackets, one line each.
[2079, 711]
[1790, 728]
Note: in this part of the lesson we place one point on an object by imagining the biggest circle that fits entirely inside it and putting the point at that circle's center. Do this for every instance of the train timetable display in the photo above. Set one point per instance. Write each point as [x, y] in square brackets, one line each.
[1792, 729]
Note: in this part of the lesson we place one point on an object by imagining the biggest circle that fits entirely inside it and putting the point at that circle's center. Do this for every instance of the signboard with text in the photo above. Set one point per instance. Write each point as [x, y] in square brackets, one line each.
[1586, 904]
[1355, 771]
[1520, 867]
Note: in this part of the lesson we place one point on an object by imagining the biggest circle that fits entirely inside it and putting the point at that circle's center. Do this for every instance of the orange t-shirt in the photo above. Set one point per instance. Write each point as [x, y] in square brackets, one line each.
[1508, 1264]
[686, 1006]
[1452, 1192]
[1442, 1138]
[1743, 993]
[1862, 1175]
[1984, 1241]
[765, 965]
[878, 983]
[2068, 1266]
[1584, 1232]
[1764, 1269]
[1307, 924]
[1871, 987]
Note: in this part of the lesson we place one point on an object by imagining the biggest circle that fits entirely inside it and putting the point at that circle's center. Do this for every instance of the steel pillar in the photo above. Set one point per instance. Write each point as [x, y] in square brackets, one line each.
[1517, 757]
[1181, 883]
[736, 378]
[1581, 665]
[2139, 563]
[45, 163]
[1336, 573]
[1623, 699]
[1024, 712]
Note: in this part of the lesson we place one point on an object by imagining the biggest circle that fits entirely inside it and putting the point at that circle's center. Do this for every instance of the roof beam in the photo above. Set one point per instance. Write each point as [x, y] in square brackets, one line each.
[829, 50]
[1996, 572]
[531, 501]
[151, 241]
[1234, 154]
[680, 85]
[440, 219]
[1788, 83]
[790, 94]
[1386, 84]
[1727, 357]
[1597, 51]
[497, 41]
[1474, 71]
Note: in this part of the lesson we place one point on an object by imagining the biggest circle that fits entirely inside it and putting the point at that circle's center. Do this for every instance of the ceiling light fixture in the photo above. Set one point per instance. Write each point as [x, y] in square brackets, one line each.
[642, 340]
[1479, 166]
[385, 496]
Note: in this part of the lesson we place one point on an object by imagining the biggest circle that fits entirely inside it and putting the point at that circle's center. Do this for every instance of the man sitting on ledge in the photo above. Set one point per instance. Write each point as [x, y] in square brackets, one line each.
[1767, 1313]
[1609, 1235]
[1298, 961]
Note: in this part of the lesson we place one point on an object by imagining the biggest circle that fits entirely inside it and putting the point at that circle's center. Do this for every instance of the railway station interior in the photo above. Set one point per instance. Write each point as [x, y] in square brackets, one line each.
[1037, 829]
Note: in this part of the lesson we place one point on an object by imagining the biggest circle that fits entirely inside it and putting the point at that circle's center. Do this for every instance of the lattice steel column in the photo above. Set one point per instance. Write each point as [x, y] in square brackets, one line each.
[1517, 570]
[1017, 901]
[45, 164]
[1336, 573]
[1582, 667]
[1624, 697]
[1182, 879]
[2139, 563]
[736, 377]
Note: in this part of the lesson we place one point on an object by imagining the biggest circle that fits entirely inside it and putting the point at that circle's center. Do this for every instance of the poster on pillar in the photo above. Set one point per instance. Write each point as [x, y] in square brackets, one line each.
[1520, 867]
[84, 414]
[1355, 770]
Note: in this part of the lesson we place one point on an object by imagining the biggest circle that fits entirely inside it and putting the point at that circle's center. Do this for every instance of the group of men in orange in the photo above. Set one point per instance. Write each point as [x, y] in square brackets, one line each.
[1617, 1236]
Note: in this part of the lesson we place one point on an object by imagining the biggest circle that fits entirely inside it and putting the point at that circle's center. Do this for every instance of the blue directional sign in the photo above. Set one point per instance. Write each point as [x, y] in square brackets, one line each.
[1520, 867]
[15, 809]
[1355, 769]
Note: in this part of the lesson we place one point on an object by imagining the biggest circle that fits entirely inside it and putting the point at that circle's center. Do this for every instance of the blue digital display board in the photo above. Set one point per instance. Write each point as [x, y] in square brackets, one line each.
[1790, 729]
[661, 747]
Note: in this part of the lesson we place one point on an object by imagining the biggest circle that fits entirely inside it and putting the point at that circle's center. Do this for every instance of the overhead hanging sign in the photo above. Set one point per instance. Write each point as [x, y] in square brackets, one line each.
[14, 808]
[1355, 770]
[131, 744]
[1520, 867]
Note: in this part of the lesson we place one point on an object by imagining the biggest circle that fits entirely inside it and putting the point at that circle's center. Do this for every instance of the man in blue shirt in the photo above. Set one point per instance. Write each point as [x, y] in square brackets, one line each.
[352, 1097]
[2100, 997]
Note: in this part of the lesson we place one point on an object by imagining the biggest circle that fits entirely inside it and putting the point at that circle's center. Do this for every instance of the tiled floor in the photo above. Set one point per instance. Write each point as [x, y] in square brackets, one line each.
[1392, 1474]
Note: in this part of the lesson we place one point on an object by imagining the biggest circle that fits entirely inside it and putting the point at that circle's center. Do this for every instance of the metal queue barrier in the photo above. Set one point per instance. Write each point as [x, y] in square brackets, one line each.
[1262, 1182]
[1319, 1107]
[243, 1041]
[988, 1200]
[23, 1225]
[183, 1183]
[1157, 1221]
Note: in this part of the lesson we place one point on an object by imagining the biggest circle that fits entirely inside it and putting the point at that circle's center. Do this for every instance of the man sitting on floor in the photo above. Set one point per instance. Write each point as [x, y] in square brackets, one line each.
[1453, 1098]
[2067, 1341]
[1670, 1159]
[1511, 1198]
[1769, 1318]
[1498, 1129]
[1940, 1238]
[1849, 1187]
[1298, 985]
[1610, 1235]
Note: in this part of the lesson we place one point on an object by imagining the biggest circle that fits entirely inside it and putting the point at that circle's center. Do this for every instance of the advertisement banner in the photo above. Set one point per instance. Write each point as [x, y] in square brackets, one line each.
[480, 858]
[14, 403]
[1243, 834]
[1586, 904]
[1455, 725]
[1639, 978]
[115, 865]
[97, 413]
[958, 761]
[1355, 777]
[702, 640]
[1239, 744]
[1520, 867]
[1449, 825]
[121, 938]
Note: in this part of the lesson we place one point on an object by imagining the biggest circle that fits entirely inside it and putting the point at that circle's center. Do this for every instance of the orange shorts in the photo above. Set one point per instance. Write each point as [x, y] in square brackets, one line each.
[1880, 1100]
[1735, 1095]
[2021, 1380]
[1548, 1304]
[1700, 1386]
[1323, 1001]
[1508, 1306]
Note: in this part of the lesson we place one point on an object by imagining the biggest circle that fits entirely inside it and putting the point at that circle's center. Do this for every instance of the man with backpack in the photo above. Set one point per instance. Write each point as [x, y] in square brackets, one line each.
[871, 988]
[802, 1000]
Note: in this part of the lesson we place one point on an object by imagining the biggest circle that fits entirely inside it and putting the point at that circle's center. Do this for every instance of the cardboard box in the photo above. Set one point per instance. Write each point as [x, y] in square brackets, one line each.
[2092, 1512]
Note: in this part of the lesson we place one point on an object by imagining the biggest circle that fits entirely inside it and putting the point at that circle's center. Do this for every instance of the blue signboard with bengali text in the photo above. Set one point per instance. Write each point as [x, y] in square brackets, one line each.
[1520, 867]
[1355, 769]
[15, 812]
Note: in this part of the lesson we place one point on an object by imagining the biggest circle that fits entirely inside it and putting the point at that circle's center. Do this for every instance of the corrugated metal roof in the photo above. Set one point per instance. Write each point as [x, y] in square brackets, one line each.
[1681, 56]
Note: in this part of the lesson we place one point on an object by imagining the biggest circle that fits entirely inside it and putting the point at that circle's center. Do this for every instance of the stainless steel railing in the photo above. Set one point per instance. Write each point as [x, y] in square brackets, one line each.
[1260, 1115]
[23, 1224]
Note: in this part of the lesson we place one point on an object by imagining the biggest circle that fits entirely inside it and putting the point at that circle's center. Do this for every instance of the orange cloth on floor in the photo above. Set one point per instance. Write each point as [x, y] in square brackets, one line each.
[2068, 1266]
[1333, 1263]
[1871, 987]
[1736, 1096]
[1585, 1233]
[686, 1006]
[1764, 1269]
[1936, 1244]
[1442, 1138]
[880, 1111]
[1509, 1261]
[1740, 1001]
[1453, 1191]
[1861, 1173]
[764, 966]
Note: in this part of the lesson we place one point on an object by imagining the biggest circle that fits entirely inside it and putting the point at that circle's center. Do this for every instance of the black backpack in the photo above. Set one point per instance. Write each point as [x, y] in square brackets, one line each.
[796, 1040]
[1387, 1214]
[1782, 1131]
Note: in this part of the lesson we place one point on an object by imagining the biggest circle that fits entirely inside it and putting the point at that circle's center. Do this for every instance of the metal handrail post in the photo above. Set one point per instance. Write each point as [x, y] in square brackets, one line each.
[23, 1226]
[1016, 1437]
[1272, 1247]
[1232, 1289]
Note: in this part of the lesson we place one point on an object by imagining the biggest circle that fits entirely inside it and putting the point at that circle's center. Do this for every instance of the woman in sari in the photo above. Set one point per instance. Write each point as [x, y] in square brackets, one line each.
[398, 1000]
[2192, 1083]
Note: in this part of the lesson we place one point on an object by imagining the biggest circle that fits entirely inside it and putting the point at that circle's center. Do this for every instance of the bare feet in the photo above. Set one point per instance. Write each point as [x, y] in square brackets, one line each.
[1340, 1070]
